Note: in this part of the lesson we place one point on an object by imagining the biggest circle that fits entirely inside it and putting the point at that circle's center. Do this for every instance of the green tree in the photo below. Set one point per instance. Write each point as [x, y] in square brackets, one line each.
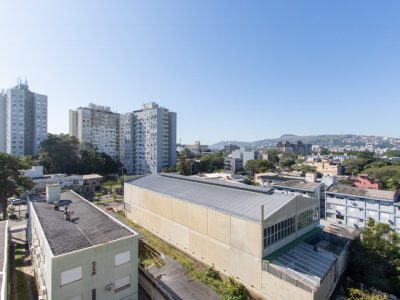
[11, 181]
[212, 162]
[356, 294]
[258, 166]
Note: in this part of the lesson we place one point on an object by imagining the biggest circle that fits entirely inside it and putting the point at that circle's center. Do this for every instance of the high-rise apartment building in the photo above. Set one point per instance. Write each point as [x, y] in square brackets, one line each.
[154, 139]
[23, 120]
[96, 125]
[144, 141]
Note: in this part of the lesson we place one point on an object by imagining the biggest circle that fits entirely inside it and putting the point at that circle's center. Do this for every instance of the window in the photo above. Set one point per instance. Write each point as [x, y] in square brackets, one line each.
[122, 258]
[307, 217]
[122, 283]
[276, 232]
[71, 275]
[94, 294]
[93, 268]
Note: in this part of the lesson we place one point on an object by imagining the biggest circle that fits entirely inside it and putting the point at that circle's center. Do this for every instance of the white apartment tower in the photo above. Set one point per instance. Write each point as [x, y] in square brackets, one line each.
[23, 120]
[154, 139]
[144, 141]
[96, 125]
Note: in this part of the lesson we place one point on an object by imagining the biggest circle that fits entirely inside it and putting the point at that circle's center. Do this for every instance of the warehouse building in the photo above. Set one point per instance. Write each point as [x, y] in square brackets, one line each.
[237, 228]
[78, 251]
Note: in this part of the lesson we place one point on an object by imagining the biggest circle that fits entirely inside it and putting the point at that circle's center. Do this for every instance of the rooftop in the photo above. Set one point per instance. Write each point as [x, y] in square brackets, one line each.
[92, 176]
[306, 261]
[369, 193]
[243, 201]
[299, 184]
[89, 226]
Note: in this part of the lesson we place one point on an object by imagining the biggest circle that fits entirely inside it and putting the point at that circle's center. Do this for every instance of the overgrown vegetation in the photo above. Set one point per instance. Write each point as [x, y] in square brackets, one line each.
[375, 261]
[227, 288]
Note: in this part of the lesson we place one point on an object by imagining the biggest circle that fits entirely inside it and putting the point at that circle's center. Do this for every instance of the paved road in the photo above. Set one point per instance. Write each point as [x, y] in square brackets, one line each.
[179, 285]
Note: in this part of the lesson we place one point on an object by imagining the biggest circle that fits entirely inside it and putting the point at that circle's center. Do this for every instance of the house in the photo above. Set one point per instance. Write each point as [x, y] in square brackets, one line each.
[362, 181]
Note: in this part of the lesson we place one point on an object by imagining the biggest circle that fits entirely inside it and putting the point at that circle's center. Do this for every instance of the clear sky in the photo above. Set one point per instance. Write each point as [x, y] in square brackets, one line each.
[237, 70]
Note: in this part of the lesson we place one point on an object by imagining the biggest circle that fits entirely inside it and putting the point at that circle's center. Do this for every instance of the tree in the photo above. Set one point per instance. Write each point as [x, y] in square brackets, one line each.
[59, 154]
[11, 181]
[64, 154]
[393, 153]
[258, 166]
[212, 162]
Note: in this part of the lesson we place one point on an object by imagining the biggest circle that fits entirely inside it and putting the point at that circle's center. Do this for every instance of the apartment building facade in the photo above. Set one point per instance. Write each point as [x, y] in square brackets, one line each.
[235, 228]
[96, 125]
[144, 141]
[79, 252]
[23, 120]
[352, 206]
[154, 139]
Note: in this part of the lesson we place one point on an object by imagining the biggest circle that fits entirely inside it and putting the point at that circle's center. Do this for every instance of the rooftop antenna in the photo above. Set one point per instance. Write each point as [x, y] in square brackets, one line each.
[26, 81]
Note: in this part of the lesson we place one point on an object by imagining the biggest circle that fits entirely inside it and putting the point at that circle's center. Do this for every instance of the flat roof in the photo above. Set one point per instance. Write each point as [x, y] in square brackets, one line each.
[298, 184]
[305, 264]
[369, 193]
[92, 176]
[89, 226]
[243, 201]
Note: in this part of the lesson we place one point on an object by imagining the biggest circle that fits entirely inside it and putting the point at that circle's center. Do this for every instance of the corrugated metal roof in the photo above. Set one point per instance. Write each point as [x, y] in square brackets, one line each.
[88, 226]
[305, 264]
[370, 193]
[239, 200]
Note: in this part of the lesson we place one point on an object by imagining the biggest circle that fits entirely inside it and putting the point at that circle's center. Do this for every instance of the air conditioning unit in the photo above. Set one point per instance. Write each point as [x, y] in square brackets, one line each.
[109, 287]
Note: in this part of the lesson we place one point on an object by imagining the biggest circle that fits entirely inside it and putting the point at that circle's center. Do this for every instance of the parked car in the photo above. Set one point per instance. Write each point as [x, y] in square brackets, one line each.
[17, 201]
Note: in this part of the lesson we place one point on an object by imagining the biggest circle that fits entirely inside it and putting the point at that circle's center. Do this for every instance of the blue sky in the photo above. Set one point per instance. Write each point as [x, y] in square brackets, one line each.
[237, 70]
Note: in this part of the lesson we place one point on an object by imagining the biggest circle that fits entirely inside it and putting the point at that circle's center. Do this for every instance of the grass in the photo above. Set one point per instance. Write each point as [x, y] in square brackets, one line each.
[103, 202]
[20, 284]
[194, 269]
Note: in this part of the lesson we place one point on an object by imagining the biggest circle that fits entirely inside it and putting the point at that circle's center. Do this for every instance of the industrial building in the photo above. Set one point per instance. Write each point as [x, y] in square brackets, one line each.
[352, 206]
[245, 231]
[80, 252]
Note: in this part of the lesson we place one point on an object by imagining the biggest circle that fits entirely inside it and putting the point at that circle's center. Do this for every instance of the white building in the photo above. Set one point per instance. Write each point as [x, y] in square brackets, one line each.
[154, 139]
[352, 206]
[23, 120]
[144, 140]
[80, 252]
[96, 125]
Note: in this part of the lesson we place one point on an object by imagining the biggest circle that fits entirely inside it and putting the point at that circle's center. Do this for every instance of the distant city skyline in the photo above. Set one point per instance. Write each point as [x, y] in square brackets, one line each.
[231, 70]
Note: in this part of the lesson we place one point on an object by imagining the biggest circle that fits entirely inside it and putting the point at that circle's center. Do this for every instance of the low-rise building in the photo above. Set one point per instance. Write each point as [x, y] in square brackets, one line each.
[244, 231]
[326, 167]
[352, 206]
[91, 183]
[233, 164]
[362, 181]
[80, 252]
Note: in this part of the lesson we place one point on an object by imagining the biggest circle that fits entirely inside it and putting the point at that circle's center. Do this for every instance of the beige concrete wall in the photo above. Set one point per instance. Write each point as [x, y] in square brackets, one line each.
[278, 289]
[232, 244]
